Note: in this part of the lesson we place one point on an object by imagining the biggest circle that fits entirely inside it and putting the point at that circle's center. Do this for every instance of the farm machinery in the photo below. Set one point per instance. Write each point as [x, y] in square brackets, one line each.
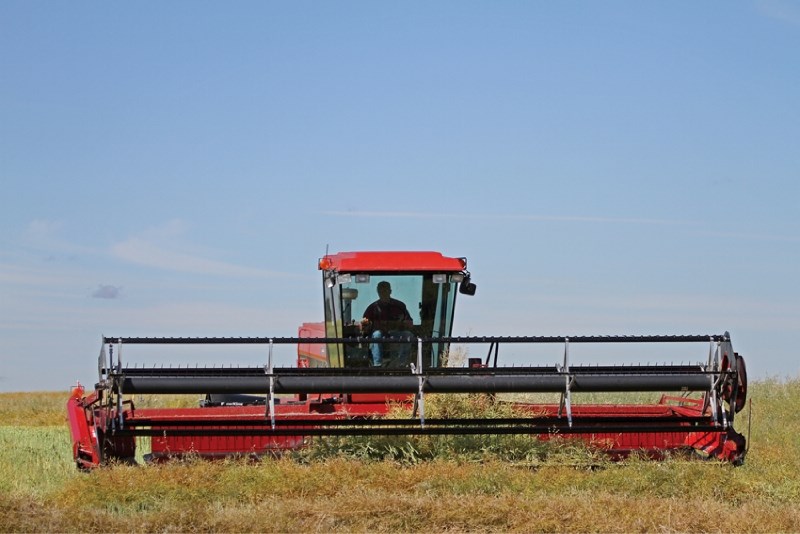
[354, 368]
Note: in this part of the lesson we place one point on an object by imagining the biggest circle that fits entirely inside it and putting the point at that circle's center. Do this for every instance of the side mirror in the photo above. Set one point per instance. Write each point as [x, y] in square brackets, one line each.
[466, 287]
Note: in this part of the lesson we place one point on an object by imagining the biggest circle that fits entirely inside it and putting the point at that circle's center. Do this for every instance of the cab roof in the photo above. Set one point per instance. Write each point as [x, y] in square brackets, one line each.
[379, 261]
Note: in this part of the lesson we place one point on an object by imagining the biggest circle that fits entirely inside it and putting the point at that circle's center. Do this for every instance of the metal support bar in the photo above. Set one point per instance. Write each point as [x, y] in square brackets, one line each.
[566, 397]
[421, 378]
[271, 374]
[712, 399]
[102, 363]
[110, 367]
[563, 393]
[494, 346]
[714, 364]
[120, 418]
[713, 350]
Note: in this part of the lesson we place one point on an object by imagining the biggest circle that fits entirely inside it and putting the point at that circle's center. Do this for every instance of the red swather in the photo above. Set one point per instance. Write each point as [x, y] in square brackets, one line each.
[337, 388]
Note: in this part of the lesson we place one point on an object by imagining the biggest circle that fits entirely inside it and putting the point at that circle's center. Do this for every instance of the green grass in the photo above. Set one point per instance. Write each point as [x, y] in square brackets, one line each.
[462, 486]
[34, 460]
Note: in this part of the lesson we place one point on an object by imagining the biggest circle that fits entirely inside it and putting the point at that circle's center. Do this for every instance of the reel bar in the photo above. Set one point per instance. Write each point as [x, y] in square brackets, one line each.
[457, 339]
[399, 371]
[417, 381]
[432, 383]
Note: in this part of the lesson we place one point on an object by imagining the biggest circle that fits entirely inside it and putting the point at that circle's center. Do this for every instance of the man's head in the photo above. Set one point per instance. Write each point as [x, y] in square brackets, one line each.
[384, 290]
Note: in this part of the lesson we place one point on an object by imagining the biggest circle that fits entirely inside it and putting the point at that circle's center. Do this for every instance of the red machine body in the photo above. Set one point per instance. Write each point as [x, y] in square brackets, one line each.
[339, 388]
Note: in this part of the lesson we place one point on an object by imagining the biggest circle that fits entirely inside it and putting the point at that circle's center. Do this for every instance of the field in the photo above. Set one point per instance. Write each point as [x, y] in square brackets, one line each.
[564, 489]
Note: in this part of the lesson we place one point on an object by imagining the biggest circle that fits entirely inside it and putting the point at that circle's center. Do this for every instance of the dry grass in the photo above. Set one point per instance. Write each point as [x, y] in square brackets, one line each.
[33, 409]
[40, 491]
[346, 495]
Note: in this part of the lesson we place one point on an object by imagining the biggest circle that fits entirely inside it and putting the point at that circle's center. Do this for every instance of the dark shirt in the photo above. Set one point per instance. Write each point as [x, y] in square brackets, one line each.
[387, 314]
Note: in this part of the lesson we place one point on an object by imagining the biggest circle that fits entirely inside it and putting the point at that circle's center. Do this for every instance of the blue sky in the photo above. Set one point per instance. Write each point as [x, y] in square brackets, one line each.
[606, 167]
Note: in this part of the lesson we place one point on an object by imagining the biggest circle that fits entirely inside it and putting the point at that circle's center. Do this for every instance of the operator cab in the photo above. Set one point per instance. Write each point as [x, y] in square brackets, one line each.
[425, 282]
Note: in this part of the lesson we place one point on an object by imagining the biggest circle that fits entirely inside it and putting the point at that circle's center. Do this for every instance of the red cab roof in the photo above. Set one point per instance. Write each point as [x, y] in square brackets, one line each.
[391, 261]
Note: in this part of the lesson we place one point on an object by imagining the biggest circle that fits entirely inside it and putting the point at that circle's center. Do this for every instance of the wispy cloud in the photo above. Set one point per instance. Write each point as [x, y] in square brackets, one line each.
[590, 219]
[45, 238]
[42, 229]
[504, 217]
[142, 252]
[25, 275]
[788, 12]
[755, 237]
[164, 247]
[640, 313]
[170, 229]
